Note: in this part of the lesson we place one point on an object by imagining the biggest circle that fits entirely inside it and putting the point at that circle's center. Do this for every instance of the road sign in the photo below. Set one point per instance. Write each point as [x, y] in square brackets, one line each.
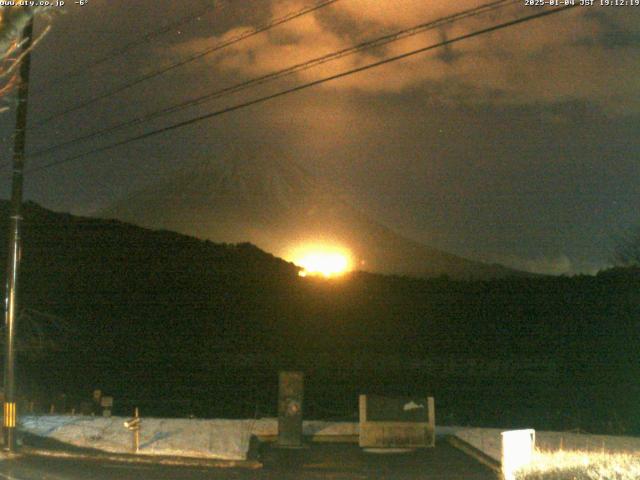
[133, 425]
[396, 422]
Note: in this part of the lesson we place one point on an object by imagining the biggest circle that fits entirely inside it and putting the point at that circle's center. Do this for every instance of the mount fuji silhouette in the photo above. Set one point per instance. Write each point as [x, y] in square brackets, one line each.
[271, 201]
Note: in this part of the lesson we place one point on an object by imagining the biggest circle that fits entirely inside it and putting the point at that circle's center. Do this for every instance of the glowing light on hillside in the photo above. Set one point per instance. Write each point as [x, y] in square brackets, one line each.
[322, 261]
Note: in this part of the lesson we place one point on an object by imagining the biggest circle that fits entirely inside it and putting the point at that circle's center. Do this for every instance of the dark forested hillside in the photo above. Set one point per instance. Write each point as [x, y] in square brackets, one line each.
[179, 325]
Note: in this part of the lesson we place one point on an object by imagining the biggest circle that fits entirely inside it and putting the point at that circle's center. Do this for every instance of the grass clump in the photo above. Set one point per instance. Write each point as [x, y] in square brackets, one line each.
[581, 465]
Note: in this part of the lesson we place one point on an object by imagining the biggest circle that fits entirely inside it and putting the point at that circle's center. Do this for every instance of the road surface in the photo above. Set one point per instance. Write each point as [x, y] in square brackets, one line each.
[329, 461]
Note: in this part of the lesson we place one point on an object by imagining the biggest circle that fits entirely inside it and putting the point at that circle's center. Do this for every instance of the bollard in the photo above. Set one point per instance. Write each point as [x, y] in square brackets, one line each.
[133, 424]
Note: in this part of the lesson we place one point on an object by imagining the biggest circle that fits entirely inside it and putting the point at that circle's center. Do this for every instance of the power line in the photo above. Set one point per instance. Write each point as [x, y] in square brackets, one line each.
[377, 42]
[116, 52]
[302, 87]
[238, 38]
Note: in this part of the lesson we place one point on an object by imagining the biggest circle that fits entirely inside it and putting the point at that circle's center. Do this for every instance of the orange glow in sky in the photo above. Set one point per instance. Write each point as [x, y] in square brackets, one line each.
[322, 260]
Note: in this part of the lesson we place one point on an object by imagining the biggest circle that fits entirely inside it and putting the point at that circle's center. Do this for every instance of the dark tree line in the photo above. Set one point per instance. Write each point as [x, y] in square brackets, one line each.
[627, 251]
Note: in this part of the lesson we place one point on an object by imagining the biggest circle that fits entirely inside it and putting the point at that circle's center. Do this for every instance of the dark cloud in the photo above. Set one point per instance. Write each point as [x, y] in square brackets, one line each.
[574, 55]
[520, 146]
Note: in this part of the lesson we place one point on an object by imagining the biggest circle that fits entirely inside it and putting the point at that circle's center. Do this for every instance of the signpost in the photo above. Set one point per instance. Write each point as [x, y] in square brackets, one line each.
[133, 425]
[397, 422]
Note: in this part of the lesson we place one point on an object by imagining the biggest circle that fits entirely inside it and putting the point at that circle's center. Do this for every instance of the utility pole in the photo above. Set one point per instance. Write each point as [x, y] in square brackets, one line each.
[13, 261]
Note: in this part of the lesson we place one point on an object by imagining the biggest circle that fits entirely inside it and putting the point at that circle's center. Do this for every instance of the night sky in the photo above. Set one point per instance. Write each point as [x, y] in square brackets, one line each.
[520, 147]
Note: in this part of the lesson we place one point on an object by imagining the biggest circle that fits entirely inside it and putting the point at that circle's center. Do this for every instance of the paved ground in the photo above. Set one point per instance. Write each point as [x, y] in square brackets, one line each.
[329, 461]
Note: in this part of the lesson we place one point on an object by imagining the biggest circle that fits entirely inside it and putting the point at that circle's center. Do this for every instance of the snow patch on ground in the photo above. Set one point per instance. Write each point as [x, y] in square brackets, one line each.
[218, 439]
[229, 439]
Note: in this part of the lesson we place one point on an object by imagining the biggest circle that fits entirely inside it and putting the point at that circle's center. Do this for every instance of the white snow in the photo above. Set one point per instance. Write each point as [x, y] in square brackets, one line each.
[229, 439]
[411, 406]
[218, 439]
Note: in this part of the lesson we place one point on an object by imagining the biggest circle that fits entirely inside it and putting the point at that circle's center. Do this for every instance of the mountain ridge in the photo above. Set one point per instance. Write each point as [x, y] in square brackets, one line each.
[273, 202]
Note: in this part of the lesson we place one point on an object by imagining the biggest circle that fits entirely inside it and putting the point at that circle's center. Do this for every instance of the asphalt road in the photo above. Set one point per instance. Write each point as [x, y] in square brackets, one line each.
[332, 461]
